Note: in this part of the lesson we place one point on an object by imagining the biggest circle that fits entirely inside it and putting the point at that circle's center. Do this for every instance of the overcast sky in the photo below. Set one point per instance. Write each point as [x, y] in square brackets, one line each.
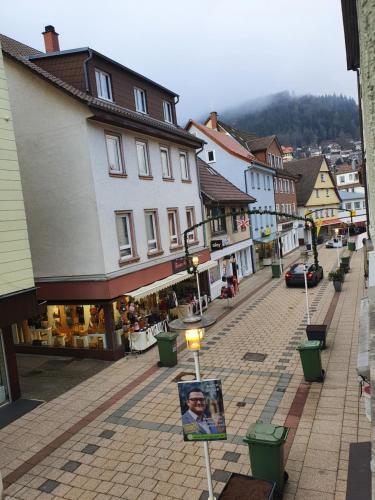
[214, 53]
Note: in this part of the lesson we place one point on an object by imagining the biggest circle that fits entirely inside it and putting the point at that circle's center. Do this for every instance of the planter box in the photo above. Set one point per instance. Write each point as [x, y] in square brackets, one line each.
[337, 285]
[241, 487]
[317, 332]
[351, 246]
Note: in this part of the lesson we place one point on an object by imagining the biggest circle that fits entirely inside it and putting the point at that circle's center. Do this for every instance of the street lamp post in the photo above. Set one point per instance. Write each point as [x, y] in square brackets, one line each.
[279, 250]
[194, 333]
[305, 268]
[195, 262]
[337, 248]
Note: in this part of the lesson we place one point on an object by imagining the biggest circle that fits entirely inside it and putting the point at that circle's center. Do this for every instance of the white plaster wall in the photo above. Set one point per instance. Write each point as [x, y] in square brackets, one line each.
[136, 194]
[53, 148]
[233, 168]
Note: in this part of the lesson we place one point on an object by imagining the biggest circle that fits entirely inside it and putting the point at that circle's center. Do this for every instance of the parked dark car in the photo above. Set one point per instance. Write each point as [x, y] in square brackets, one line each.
[295, 275]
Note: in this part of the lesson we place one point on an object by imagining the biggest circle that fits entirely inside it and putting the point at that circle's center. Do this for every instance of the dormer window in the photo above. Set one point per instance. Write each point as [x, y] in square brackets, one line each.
[103, 85]
[167, 108]
[140, 100]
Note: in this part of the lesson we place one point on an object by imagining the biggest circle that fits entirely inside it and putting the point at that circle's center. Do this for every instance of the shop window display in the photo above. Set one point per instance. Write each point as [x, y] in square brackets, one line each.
[79, 326]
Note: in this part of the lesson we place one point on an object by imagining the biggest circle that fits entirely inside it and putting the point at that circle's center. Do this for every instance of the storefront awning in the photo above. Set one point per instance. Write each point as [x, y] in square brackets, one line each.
[156, 286]
[267, 239]
[330, 222]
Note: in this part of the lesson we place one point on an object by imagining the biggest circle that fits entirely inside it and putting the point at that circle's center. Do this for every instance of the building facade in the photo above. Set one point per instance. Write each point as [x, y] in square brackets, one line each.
[102, 158]
[317, 194]
[17, 288]
[236, 162]
[347, 178]
[228, 235]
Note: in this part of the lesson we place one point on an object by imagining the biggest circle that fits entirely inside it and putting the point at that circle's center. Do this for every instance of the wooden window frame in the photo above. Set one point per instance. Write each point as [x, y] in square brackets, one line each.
[158, 250]
[143, 92]
[178, 244]
[149, 174]
[134, 257]
[186, 156]
[166, 105]
[98, 73]
[166, 148]
[194, 239]
[122, 171]
[213, 154]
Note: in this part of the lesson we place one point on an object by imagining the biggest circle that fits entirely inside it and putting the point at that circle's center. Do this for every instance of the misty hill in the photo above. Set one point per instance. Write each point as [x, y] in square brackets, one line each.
[298, 120]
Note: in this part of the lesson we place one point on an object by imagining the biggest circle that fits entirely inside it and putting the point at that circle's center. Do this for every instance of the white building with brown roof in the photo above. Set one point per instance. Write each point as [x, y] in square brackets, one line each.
[110, 185]
[228, 235]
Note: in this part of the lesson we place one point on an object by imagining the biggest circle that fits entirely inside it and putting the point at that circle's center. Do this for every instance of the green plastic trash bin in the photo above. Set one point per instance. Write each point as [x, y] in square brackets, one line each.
[167, 346]
[311, 361]
[266, 449]
[276, 272]
[346, 263]
[351, 246]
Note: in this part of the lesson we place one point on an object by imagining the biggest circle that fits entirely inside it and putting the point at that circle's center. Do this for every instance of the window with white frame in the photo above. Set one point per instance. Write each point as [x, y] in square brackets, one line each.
[103, 85]
[152, 230]
[357, 204]
[293, 208]
[174, 227]
[323, 177]
[252, 180]
[287, 186]
[124, 226]
[348, 206]
[280, 185]
[264, 182]
[292, 185]
[274, 161]
[168, 114]
[317, 193]
[271, 216]
[277, 208]
[342, 179]
[184, 166]
[269, 156]
[165, 163]
[275, 185]
[190, 221]
[258, 181]
[327, 193]
[211, 156]
[268, 183]
[351, 177]
[140, 100]
[114, 155]
[143, 160]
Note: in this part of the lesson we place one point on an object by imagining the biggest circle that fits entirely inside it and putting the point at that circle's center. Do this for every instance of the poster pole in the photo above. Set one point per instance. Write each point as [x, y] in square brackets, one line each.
[199, 293]
[205, 444]
[306, 295]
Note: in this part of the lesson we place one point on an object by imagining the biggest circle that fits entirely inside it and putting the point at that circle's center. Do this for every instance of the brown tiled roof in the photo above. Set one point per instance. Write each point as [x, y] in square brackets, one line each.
[224, 140]
[247, 139]
[217, 188]
[307, 171]
[344, 169]
[20, 52]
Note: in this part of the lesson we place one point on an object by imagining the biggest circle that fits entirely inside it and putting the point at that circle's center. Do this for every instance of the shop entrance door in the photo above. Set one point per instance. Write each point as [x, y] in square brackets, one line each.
[4, 394]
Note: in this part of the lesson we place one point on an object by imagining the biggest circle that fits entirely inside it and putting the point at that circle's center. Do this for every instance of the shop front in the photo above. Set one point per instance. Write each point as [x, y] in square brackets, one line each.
[233, 261]
[4, 387]
[105, 329]
[266, 250]
[288, 236]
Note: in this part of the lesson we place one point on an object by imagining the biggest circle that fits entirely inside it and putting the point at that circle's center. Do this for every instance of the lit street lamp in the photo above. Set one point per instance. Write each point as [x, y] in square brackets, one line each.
[194, 326]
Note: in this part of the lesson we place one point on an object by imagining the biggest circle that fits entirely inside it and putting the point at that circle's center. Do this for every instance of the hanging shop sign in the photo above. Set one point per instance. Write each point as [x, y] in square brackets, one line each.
[202, 410]
[287, 226]
[179, 265]
[216, 245]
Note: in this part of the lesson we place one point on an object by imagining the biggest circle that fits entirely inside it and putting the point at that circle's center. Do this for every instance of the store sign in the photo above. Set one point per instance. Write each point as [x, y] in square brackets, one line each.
[287, 226]
[179, 265]
[216, 245]
[267, 231]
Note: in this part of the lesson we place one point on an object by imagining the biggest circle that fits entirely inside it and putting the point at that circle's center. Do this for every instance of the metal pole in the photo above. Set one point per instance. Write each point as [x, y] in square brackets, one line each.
[199, 292]
[338, 253]
[205, 444]
[306, 295]
[279, 249]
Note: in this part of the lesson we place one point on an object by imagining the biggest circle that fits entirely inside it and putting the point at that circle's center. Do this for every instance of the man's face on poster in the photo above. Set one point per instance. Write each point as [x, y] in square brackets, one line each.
[196, 402]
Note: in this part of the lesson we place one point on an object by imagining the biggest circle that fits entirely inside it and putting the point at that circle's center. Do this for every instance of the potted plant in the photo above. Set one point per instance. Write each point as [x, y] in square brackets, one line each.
[337, 277]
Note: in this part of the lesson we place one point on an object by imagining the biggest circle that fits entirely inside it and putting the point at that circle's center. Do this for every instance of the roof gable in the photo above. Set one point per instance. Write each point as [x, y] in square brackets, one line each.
[217, 188]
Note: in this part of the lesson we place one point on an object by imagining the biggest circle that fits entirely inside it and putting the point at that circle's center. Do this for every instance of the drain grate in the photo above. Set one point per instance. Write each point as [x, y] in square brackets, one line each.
[255, 356]
[241, 404]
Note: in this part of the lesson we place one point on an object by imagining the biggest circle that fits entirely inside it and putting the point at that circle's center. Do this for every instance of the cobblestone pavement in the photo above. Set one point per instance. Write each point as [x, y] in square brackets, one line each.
[118, 434]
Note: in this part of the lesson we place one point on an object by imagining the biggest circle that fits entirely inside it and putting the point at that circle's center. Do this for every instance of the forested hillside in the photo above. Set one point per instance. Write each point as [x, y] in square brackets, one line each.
[298, 120]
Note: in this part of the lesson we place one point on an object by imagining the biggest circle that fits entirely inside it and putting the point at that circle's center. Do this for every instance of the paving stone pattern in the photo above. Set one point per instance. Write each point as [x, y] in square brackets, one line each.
[145, 457]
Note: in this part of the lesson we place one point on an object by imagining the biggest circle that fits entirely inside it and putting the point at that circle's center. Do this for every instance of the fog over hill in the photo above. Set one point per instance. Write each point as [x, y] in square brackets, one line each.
[297, 120]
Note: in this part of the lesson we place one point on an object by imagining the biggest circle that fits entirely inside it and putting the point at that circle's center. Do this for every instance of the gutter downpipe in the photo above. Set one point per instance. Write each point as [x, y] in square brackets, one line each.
[86, 71]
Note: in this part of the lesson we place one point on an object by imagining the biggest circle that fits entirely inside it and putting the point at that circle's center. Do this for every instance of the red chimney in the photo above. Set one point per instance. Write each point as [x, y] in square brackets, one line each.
[51, 39]
[213, 116]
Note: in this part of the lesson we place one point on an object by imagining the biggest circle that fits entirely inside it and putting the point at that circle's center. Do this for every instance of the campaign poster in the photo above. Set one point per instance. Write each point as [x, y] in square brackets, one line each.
[202, 410]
